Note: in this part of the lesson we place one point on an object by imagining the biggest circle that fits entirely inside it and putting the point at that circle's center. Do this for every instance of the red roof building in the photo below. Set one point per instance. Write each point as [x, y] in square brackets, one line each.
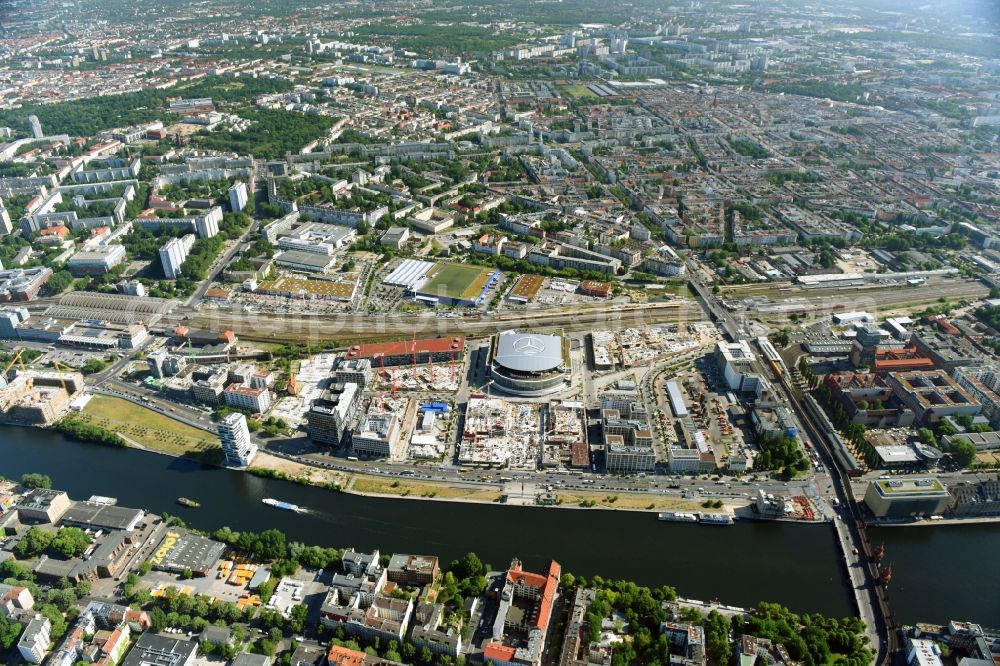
[901, 360]
[440, 350]
[341, 656]
[594, 288]
[526, 604]
[60, 231]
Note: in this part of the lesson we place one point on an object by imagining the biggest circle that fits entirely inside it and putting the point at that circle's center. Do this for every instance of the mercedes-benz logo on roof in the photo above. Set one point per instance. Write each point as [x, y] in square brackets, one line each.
[528, 345]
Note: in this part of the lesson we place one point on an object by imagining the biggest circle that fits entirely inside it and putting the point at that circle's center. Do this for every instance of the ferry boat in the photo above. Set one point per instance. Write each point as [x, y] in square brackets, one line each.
[677, 517]
[278, 504]
[190, 503]
[715, 518]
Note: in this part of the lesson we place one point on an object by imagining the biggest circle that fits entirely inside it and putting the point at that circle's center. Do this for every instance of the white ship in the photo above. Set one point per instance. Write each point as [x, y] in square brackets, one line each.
[278, 504]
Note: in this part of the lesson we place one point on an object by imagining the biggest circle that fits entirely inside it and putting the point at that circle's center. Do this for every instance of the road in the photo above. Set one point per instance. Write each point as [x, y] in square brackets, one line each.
[870, 597]
[715, 310]
[221, 262]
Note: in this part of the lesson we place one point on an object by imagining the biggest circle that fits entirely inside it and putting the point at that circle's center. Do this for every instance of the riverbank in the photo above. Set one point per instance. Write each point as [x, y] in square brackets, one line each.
[793, 564]
[152, 430]
[976, 520]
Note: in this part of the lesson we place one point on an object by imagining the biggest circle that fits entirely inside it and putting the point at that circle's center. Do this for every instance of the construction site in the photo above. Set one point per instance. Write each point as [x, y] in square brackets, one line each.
[434, 364]
[309, 382]
[501, 433]
[565, 443]
[411, 428]
[633, 347]
[421, 378]
[36, 398]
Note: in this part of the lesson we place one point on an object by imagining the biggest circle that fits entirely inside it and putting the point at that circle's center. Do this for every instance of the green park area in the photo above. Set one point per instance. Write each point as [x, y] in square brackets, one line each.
[147, 428]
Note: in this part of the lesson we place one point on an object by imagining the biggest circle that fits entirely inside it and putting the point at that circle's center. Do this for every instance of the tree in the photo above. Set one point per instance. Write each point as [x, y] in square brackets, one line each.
[157, 619]
[10, 632]
[717, 638]
[945, 428]
[70, 542]
[59, 282]
[468, 566]
[35, 480]
[93, 365]
[271, 544]
[964, 452]
[35, 542]
[55, 616]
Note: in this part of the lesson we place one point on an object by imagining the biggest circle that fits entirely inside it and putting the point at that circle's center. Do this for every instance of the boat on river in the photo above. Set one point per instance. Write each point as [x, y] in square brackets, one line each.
[278, 504]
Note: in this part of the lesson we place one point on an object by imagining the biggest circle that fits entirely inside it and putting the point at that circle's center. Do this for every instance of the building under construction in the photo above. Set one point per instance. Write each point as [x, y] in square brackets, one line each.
[38, 398]
[565, 442]
[410, 352]
[331, 415]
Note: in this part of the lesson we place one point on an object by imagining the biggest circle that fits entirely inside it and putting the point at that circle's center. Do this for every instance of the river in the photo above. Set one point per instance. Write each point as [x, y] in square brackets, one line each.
[795, 565]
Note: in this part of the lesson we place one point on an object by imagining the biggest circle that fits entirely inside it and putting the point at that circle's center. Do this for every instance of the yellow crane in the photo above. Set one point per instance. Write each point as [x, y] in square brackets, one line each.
[59, 373]
[20, 362]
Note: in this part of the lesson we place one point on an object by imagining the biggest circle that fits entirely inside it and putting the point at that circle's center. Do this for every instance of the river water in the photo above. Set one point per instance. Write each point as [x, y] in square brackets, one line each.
[795, 565]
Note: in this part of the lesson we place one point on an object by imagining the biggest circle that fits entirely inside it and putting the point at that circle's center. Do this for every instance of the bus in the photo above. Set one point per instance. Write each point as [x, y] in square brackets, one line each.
[353, 458]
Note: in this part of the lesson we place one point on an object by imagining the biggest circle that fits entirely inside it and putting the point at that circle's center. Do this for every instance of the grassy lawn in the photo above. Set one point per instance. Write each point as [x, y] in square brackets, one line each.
[381, 486]
[150, 429]
[577, 92]
[629, 501]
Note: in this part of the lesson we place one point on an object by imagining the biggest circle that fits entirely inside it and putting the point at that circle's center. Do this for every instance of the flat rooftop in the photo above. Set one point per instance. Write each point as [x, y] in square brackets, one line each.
[180, 549]
[102, 516]
[903, 487]
[897, 454]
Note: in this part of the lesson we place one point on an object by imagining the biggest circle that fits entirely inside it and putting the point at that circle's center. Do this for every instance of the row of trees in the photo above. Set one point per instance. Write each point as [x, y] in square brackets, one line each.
[854, 433]
[205, 250]
[808, 374]
[80, 430]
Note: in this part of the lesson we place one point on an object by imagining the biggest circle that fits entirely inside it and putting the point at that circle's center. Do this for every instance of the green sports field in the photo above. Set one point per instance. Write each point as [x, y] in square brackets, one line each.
[456, 281]
[578, 92]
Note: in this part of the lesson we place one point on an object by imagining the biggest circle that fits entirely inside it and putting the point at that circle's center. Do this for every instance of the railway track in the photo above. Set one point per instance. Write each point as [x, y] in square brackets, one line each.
[298, 327]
